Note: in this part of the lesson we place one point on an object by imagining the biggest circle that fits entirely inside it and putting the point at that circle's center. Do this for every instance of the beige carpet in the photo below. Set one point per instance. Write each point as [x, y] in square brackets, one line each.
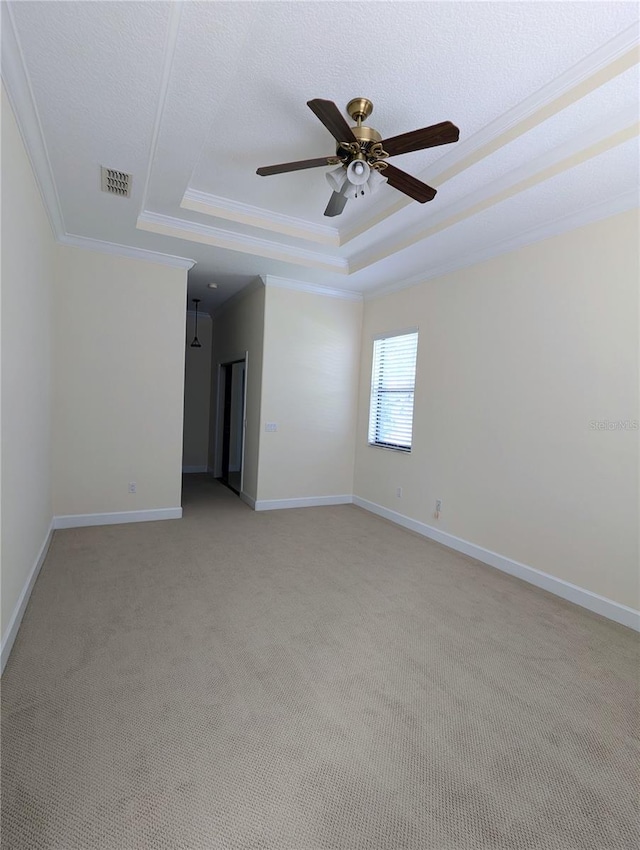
[316, 679]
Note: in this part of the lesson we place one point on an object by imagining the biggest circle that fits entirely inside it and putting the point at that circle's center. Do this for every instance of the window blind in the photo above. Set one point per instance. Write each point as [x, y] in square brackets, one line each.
[393, 378]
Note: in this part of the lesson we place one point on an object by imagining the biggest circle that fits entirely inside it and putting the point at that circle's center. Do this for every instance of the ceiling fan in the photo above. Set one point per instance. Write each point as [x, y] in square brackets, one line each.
[361, 154]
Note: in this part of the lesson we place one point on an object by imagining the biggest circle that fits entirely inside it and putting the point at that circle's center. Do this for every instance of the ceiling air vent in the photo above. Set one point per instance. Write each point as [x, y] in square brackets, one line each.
[116, 182]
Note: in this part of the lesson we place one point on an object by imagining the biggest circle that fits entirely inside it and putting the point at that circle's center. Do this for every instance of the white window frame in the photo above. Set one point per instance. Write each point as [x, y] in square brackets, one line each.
[378, 392]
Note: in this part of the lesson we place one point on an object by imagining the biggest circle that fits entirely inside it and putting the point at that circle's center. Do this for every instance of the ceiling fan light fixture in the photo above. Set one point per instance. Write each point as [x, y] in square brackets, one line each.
[376, 179]
[362, 150]
[358, 172]
[351, 191]
[336, 178]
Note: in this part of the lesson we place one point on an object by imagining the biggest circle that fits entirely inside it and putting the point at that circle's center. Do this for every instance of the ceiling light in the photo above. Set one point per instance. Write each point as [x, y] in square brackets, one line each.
[212, 285]
[350, 191]
[376, 179]
[358, 172]
[336, 179]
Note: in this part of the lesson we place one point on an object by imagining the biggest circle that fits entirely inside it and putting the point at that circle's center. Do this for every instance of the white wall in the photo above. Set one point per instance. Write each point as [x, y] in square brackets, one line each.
[119, 380]
[27, 282]
[197, 393]
[238, 327]
[517, 357]
[309, 389]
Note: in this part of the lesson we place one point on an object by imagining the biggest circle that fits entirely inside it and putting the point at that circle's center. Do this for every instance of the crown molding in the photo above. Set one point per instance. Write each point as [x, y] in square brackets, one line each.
[300, 286]
[20, 93]
[212, 205]
[608, 61]
[196, 232]
[592, 142]
[624, 202]
[113, 248]
[173, 28]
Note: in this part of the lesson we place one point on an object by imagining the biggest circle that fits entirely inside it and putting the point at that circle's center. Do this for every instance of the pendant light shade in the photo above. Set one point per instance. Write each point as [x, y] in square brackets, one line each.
[196, 342]
[376, 179]
[355, 180]
[336, 179]
[352, 190]
[358, 172]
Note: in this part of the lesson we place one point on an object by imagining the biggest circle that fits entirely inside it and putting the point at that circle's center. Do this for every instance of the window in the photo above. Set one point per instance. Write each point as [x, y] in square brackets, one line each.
[393, 379]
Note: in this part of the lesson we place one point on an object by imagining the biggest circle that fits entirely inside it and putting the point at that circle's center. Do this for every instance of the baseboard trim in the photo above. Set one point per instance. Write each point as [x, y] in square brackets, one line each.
[573, 593]
[304, 502]
[188, 470]
[248, 500]
[116, 518]
[18, 612]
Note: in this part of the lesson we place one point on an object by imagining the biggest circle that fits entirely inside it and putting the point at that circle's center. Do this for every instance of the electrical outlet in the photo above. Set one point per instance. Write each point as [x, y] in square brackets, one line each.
[271, 426]
[438, 505]
[132, 486]
[399, 492]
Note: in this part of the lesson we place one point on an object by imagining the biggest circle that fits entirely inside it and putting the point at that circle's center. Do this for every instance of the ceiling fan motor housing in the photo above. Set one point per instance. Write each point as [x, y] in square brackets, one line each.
[359, 109]
[365, 135]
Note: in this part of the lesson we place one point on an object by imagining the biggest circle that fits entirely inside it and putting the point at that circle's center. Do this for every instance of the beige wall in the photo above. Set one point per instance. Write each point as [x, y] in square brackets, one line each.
[517, 357]
[239, 327]
[27, 281]
[197, 392]
[119, 379]
[309, 389]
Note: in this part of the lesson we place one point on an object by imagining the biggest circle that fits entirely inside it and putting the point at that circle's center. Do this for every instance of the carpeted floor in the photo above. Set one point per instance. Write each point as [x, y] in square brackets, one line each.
[315, 679]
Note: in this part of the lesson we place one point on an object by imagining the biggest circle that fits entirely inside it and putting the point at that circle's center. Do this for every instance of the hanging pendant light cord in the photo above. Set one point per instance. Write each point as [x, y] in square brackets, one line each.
[196, 342]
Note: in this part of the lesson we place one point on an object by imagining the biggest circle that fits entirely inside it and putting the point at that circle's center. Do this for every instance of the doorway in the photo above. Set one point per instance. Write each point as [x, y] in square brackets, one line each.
[232, 384]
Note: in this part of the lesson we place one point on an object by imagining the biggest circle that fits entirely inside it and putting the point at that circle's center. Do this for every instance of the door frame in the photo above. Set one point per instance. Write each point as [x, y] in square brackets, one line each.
[229, 361]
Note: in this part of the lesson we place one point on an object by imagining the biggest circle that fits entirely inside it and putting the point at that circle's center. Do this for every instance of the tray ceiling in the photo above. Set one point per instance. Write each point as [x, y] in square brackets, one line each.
[190, 98]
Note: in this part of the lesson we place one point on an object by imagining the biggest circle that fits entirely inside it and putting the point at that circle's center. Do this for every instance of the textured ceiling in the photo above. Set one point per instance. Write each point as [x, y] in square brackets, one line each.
[192, 97]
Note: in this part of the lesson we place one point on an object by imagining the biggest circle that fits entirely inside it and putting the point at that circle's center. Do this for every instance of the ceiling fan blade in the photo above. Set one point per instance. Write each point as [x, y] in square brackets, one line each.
[411, 186]
[266, 170]
[417, 140]
[331, 117]
[336, 204]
